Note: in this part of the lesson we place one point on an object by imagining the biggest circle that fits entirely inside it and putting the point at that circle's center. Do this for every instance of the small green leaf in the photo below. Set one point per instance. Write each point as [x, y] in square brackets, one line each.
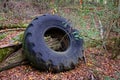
[2, 36]
[74, 33]
[76, 36]
[108, 78]
[18, 38]
[25, 25]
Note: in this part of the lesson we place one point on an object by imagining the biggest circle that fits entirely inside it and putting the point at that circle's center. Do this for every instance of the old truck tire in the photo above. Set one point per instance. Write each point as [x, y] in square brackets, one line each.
[41, 55]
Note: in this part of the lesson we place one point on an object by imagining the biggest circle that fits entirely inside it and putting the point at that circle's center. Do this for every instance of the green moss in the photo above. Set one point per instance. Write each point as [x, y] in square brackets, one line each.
[94, 43]
[18, 25]
[2, 36]
[18, 38]
[4, 53]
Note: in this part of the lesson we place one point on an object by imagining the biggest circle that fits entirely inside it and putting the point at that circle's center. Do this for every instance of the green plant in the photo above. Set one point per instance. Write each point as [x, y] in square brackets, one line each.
[2, 36]
[84, 21]
[4, 53]
[118, 75]
[2, 18]
[108, 78]
[18, 38]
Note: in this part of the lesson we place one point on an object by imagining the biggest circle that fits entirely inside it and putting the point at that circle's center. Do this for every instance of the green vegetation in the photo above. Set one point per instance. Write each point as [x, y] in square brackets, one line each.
[4, 53]
[109, 78]
[2, 36]
[97, 22]
[2, 18]
[18, 38]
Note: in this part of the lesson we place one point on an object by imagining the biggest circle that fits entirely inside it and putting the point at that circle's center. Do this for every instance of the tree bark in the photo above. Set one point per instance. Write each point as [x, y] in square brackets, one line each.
[15, 59]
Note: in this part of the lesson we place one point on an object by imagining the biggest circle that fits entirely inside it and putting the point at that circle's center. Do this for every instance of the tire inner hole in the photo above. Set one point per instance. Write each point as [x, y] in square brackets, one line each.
[57, 39]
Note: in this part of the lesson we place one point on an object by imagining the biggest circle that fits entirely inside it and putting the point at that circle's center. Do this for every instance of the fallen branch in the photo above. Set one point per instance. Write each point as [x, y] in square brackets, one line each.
[10, 45]
[13, 29]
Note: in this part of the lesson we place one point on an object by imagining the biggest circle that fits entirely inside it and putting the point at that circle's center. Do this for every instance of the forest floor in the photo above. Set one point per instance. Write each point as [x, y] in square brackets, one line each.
[98, 66]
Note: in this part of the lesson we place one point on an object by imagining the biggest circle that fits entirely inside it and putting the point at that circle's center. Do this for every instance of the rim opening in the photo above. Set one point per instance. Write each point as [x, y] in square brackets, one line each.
[57, 39]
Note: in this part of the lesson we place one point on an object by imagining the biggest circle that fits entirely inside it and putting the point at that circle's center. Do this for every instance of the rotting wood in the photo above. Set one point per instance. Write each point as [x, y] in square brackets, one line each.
[13, 29]
[9, 45]
[18, 58]
[52, 43]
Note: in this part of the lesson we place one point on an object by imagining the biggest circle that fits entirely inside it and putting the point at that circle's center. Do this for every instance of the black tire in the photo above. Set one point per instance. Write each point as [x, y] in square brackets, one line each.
[43, 57]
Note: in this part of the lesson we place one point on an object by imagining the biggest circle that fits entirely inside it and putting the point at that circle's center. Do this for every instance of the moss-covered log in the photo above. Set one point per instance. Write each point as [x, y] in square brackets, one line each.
[7, 50]
[15, 59]
[12, 55]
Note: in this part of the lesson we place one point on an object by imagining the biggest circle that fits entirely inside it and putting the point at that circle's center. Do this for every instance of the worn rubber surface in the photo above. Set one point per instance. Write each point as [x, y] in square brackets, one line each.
[38, 52]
